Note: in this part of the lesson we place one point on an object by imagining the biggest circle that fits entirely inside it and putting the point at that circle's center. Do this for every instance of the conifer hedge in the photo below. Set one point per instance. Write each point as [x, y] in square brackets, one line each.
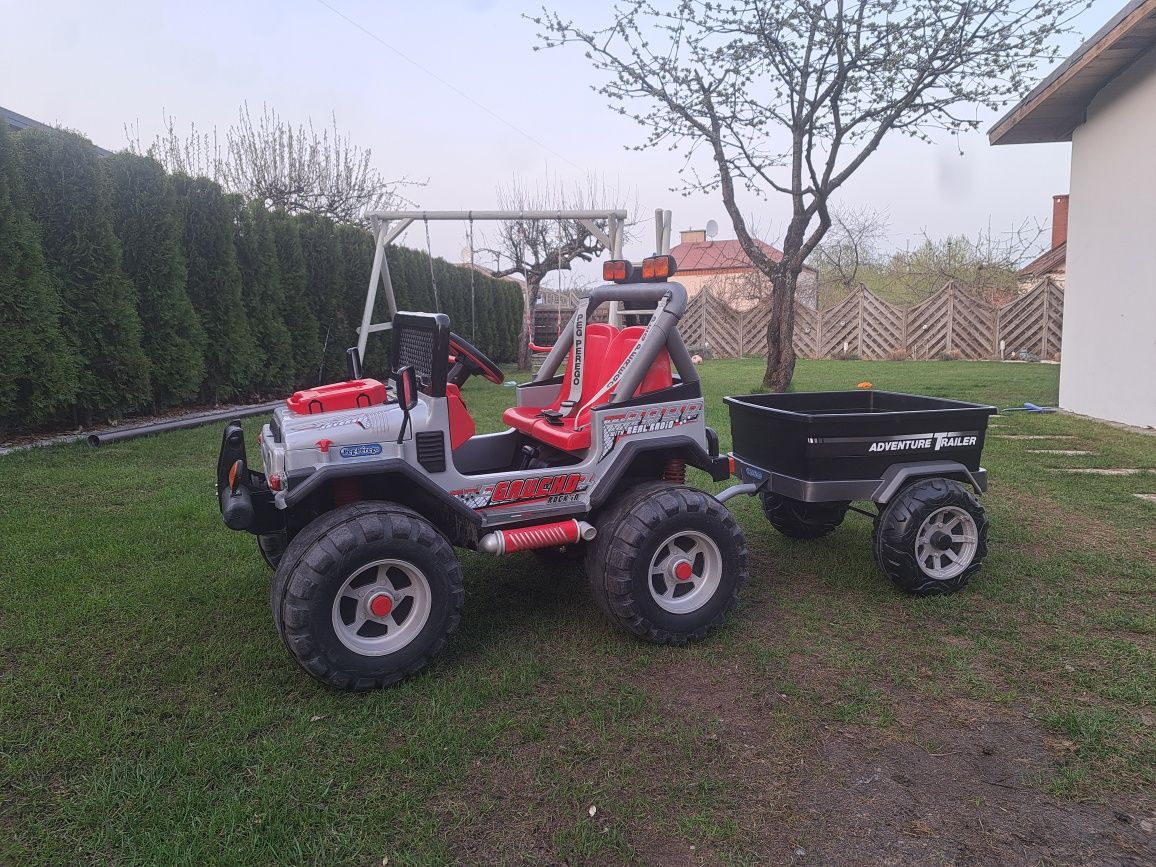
[146, 220]
[37, 366]
[125, 289]
[264, 298]
[67, 192]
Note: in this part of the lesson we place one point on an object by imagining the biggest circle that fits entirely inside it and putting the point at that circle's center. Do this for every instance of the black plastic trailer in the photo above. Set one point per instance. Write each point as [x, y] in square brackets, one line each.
[809, 456]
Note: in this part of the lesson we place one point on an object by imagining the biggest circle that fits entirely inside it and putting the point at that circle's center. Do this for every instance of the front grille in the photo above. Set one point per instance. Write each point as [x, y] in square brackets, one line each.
[431, 451]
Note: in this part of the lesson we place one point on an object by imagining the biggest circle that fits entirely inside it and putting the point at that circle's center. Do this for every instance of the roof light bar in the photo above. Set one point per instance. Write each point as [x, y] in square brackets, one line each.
[658, 268]
[617, 271]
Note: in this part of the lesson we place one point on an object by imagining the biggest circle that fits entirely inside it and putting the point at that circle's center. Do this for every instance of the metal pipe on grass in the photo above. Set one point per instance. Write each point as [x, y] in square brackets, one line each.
[116, 436]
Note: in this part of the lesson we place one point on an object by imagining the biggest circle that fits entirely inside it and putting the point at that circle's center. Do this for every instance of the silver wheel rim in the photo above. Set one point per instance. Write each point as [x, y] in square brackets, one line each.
[946, 543]
[691, 554]
[364, 592]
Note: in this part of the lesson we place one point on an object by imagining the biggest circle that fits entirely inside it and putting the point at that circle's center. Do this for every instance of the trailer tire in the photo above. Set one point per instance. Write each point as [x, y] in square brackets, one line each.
[337, 565]
[272, 547]
[802, 520]
[931, 537]
[655, 532]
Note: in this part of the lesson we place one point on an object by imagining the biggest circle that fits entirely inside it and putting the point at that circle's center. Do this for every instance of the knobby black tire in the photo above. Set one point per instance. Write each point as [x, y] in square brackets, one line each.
[802, 520]
[897, 527]
[324, 554]
[618, 560]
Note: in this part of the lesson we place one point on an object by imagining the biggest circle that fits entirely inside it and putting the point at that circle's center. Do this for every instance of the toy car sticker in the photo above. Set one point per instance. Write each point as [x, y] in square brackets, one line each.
[361, 450]
[574, 387]
[849, 447]
[646, 420]
[362, 421]
[553, 488]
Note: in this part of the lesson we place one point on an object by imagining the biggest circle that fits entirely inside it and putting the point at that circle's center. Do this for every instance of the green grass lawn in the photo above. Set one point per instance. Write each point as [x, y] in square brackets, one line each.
[150, 715]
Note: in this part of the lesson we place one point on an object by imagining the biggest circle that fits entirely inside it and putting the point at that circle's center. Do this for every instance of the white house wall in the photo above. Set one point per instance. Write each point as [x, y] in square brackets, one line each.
[1109, 347]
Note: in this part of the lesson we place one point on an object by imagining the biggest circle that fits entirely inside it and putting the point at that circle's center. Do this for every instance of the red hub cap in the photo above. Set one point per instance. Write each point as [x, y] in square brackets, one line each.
[683, 570]
[380, 605]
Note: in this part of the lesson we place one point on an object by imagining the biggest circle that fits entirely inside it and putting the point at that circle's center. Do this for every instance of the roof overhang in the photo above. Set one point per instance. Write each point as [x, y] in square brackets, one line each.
[1058, 104]
[17, 122]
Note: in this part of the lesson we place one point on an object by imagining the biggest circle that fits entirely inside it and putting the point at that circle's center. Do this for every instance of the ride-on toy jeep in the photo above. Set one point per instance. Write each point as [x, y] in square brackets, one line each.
[366, 490]
[365, 493]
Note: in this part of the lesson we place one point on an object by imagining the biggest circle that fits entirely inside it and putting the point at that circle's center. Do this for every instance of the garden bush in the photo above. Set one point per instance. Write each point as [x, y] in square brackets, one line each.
[124, 288]
[67, 192]
[37, 365]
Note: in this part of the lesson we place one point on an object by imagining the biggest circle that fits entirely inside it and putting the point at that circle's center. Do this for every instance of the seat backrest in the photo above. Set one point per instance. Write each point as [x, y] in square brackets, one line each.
[599, 337]
[657, 377]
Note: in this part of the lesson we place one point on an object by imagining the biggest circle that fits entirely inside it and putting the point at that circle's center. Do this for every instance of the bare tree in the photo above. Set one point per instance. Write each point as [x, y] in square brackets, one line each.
[196, 154]
[297, 168]
[851, 244]
[534, 248]
[986, 264]
[792, 97]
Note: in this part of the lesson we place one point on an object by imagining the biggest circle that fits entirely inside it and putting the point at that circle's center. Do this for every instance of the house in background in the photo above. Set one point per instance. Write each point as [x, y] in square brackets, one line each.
[1054, 262]
[729, 273]
[17, 122]
[1103, 100]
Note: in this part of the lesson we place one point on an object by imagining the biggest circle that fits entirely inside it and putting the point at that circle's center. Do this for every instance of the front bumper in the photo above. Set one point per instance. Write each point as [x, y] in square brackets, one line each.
[243, 496]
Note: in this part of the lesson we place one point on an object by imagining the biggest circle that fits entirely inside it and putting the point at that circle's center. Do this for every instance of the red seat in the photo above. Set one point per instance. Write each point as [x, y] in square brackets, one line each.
[657, 377]
[606, 349]
[528, 419]
[461, 422]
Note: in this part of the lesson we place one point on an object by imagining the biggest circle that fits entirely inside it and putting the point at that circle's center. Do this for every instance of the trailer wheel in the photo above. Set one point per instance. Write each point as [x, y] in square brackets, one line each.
[366, 595]
[272, 547]
[931, 538]
[802, 520]
[667, 564]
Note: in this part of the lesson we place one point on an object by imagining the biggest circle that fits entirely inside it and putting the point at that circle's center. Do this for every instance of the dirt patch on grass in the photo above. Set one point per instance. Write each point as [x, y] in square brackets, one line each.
[503, 814]
[514, 810]
[709, 784]
[769, 747]
[953, 782]
[871, 799]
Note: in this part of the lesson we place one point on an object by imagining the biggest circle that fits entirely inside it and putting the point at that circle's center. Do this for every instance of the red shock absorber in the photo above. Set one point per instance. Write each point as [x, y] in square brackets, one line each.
[345, 491]
[539, 536]
[675, 471]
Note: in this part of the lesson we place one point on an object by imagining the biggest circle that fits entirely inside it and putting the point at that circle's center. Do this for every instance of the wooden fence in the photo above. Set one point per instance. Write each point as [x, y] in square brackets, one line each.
[953, 321]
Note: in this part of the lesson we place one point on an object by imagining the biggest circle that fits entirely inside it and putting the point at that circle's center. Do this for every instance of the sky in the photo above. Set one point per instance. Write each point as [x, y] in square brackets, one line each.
[525, 114]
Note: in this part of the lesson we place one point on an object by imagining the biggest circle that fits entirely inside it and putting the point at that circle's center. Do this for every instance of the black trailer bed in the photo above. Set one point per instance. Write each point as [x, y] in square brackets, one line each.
[853, 436]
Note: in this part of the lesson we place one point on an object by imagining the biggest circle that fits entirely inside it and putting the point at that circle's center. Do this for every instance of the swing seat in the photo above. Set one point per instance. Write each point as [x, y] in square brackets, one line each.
[606, 349]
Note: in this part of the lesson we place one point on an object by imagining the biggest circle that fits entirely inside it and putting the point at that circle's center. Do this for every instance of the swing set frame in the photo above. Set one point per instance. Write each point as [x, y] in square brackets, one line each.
[387, 226]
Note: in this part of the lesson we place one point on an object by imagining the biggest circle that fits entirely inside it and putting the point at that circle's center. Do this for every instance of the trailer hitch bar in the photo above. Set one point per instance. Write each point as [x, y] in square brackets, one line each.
[735, 490]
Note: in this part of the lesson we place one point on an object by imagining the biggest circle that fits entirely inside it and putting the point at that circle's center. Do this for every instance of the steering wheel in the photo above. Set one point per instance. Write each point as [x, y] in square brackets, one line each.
[470, 360]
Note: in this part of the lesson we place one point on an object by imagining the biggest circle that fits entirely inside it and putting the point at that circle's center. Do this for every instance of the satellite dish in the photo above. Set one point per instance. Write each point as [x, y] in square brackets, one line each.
[711, 228]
